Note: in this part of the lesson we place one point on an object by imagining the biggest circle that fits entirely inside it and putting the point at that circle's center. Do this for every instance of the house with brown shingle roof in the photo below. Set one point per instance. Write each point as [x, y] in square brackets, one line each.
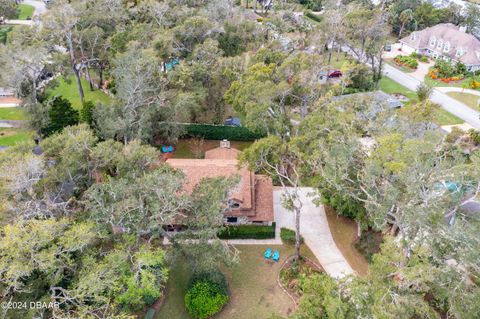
[445, 41]
[251, 201]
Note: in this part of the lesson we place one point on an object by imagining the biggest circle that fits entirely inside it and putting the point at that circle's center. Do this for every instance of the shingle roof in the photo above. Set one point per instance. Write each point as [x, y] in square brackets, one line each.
[253, 192]
[448, 32]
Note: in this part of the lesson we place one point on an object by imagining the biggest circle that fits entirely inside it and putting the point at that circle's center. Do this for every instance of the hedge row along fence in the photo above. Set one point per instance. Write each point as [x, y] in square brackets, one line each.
[220, 132]
[248, 232]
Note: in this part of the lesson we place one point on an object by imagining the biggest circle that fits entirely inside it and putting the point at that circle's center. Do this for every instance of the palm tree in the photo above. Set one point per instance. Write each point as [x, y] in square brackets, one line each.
[406, 16]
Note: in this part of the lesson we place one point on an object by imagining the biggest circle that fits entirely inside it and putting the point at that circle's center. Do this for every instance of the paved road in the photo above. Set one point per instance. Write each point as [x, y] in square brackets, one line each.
[450, 104]
[315, 231]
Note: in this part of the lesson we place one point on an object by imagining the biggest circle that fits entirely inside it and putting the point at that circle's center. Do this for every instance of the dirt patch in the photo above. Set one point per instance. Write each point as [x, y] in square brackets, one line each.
[344, 232]
[5, 133]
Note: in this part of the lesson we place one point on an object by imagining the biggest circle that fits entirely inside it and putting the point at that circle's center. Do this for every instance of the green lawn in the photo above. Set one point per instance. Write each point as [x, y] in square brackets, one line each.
[442, 117]
[400, 67]
[68, 90]
[25, 11]
[255, 293]
[389, 86]
[12, 113]
[470, 100]
[11, 136]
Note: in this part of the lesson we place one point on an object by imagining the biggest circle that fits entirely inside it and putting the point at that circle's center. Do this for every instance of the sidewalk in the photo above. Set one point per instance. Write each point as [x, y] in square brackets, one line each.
[446, 89]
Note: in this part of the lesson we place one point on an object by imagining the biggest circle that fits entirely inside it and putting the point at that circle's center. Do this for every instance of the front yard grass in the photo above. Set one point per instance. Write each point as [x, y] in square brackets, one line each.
[470, 100]
[12, 113]
[25, 11]
[12, 136]
[389, 86]
[68, 90]
[344, 233]
[442, 117]
[254, 292]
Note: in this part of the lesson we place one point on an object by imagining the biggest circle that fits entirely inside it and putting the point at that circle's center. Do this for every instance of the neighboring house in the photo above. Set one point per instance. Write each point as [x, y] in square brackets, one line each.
[445, 41]
[251, 201]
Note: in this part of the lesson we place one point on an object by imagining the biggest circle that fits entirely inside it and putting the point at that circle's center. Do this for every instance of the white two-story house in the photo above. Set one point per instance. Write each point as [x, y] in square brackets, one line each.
[445, 41]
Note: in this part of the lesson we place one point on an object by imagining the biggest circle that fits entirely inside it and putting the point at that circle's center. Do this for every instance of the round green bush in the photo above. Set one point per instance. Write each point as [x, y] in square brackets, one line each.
[205, 298]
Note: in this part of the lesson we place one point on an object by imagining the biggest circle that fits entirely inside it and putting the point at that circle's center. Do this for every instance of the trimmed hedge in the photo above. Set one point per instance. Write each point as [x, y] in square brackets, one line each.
[248, 232]
[288, 236]
[220, 132]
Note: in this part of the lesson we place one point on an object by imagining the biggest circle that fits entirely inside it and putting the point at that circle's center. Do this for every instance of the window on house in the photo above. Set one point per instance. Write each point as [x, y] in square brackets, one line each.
[232, 219]
[459, 52]
[432, 41]
[413, 36]
[439, 44]
[446, 48]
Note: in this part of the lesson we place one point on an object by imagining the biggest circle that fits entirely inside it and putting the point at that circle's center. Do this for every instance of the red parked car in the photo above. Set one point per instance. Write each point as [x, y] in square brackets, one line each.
[335, 74]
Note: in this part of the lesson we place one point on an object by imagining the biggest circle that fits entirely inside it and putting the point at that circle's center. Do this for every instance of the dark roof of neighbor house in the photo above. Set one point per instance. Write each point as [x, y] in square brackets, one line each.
[447, 33]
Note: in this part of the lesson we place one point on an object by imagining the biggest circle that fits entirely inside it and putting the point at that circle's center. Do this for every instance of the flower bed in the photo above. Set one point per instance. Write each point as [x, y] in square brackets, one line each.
[406, 61]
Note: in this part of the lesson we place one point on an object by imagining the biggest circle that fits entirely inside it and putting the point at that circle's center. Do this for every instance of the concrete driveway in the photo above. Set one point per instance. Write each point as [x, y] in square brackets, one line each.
[315, 231]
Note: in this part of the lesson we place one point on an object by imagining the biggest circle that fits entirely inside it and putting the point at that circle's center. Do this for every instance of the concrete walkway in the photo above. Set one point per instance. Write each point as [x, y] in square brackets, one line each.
[315, 231]
[446, 89]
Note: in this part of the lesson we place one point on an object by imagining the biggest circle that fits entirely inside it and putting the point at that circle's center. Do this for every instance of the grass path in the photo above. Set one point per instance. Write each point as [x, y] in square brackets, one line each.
[68, 90]
[254, 290]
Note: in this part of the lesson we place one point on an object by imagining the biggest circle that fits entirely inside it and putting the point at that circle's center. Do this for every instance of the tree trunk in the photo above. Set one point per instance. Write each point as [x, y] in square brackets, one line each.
[79, 84]
[297, 233]
[401, 30]
[74, 67]
[100, 75]
[89, 78]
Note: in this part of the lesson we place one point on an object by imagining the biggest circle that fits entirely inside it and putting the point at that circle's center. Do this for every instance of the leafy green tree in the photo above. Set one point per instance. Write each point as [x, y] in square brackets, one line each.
[136, 205]
[86, 113]
[61, 114]
[199, 243]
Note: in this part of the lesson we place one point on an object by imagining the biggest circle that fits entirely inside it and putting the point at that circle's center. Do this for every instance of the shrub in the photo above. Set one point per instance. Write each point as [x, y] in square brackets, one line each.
[288, 236]
[207, 294]
[248, 232]
[444, 69]
[424, 59]
[407, 61]
[86, 113]
[61, 114]
[220, 132]
[475, 136]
